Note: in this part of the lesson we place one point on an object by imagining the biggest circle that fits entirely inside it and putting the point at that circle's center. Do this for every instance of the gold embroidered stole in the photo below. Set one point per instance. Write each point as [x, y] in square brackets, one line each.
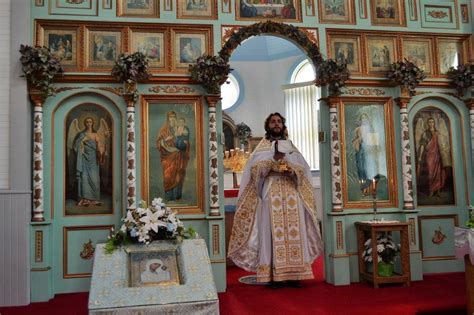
[246, 206]
[285, 225]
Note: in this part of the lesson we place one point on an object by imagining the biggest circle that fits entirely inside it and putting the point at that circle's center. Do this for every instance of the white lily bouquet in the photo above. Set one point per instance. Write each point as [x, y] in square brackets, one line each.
[146, 224]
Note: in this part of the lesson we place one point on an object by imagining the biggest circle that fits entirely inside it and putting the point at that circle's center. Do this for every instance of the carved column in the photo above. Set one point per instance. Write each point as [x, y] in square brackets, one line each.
[407, 168]
[470, 105]
[333, 102]
[38, 163]
[131, 152]
[213, 171]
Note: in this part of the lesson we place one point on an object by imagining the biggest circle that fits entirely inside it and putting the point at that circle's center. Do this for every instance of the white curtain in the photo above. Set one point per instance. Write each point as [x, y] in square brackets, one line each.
[301, 112]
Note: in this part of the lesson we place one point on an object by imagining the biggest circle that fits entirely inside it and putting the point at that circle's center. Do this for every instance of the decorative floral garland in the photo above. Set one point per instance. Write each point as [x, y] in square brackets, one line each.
[40, 67]
[270, 27]
[461, 78]
[406, 74]
[212, 71]
[334, 74]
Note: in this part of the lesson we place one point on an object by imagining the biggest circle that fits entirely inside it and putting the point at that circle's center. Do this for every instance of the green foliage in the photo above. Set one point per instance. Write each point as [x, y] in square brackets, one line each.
[461, 78]
[406, 73]
[470, 222]
[243, 133]
[211, 72]
[333, 73]
[131, 68]
[117, 239]
[40, 68]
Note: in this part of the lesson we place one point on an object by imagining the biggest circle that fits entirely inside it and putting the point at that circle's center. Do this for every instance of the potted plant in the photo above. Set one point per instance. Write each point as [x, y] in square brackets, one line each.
[39, 67]
[243, 133]
[470, 221]
[131, 69]
[333, 73]
[211, 72]
[461, 78]
[406, 74]
[387, 252]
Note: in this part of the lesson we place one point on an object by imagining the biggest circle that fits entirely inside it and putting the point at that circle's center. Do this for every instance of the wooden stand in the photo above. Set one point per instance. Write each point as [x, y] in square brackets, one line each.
[370, 230]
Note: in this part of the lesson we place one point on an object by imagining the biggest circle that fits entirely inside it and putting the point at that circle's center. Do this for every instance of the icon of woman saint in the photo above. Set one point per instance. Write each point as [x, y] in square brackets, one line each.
[89, 148]
[365, 143]
[155, 271]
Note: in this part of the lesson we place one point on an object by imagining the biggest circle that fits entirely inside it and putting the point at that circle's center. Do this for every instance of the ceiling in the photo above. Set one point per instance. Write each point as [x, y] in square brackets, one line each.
[265, 48]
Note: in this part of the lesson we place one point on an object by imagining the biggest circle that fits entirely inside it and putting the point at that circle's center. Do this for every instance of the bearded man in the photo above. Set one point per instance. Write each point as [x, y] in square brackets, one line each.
[275, 231]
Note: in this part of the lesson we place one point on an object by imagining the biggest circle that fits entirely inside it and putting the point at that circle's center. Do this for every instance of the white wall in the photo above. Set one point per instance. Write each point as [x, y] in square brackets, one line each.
[4, 92]
[263, 93]
[15, 203]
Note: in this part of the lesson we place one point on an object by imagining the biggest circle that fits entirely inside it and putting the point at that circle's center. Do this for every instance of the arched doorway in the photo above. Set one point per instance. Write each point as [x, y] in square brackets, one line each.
[304, 41]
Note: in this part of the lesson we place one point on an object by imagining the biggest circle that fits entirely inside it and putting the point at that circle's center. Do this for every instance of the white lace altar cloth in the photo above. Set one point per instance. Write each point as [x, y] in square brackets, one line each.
[464, 243]
[111, 294]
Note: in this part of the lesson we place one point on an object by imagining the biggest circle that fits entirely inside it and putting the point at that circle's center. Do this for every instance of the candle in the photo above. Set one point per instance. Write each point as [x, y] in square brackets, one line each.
[374, 187]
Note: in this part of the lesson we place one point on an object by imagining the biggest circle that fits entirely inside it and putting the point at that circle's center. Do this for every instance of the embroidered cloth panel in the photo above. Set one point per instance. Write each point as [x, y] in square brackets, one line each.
[110, 292]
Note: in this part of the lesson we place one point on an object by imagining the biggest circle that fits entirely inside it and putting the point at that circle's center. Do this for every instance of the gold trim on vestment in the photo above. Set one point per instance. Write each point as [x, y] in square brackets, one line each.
[288, 254]
[265, 273]
[246, 206]
[285, 224]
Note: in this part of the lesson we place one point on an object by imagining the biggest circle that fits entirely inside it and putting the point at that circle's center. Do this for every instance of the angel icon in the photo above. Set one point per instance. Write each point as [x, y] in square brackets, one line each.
[90, 149]
[433, 158]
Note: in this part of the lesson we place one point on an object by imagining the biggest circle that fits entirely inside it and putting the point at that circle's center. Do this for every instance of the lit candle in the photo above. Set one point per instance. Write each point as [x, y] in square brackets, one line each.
[374, 188]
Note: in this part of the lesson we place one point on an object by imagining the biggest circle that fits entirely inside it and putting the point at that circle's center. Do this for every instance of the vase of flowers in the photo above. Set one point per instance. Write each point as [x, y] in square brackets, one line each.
[334, 74]
[387, 252]
[470, 221]
[39, 67]
[146, 224]
[461, 78]
[211, 72]
[406, 74]
[130, 69]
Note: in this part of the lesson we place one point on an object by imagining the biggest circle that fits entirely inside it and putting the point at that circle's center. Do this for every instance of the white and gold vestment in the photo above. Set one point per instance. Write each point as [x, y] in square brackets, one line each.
[275, 231]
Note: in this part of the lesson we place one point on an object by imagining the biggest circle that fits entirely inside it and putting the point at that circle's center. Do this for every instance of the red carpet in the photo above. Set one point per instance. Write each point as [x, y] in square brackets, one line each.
[436, 294]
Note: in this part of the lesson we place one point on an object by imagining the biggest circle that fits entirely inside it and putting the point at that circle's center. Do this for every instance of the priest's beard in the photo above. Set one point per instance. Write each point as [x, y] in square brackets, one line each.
[277, 134]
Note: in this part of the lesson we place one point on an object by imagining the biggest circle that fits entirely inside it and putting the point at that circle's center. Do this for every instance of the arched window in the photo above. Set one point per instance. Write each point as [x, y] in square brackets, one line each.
[303, 72]
[230, 92]
[302, 109]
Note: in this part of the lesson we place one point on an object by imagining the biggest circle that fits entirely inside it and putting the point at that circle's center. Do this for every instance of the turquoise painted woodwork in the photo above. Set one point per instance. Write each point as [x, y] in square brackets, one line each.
[435, 15]
[433, 218]
[341, 268]
[71, 236]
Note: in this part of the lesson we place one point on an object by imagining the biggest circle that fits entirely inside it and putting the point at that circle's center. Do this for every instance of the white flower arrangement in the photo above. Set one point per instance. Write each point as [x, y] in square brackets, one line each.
[387, 250]
[146, 224]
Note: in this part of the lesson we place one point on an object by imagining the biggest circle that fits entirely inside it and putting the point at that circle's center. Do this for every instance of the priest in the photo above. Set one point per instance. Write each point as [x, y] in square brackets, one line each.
[275, 231]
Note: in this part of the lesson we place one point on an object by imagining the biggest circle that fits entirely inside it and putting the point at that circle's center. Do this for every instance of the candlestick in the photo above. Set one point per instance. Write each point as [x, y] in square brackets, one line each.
[374, 188]
[374, 196]
[375, 210]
